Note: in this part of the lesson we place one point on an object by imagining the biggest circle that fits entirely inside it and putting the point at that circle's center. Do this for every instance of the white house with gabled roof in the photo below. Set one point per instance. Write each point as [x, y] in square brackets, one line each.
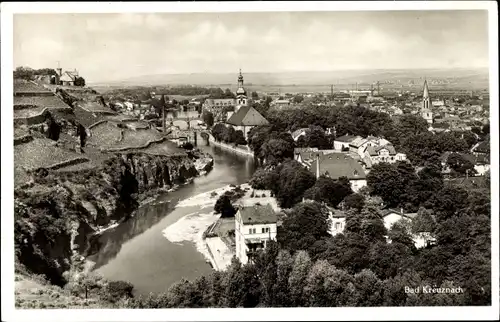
[255, 226]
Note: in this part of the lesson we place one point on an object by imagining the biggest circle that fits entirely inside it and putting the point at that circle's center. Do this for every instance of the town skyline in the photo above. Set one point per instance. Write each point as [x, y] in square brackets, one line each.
[230, 41]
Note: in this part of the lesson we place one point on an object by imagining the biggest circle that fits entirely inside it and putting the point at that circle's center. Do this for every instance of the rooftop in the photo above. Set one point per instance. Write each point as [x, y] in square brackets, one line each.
[258, 214]
[336, 165]
[358, 141]
[247, 116]
[375, 150]
[409, 215]
[346, 138]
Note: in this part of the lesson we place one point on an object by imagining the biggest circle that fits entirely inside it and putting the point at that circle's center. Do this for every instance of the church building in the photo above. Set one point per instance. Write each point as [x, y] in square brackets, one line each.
[245, 117]
[426, 111]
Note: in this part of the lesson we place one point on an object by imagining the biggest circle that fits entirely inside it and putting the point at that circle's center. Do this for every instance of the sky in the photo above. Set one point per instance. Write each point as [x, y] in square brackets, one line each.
[105, 47]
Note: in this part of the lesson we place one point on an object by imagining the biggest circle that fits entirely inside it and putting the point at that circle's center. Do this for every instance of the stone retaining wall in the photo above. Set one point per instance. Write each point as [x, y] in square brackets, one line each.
[231, 148]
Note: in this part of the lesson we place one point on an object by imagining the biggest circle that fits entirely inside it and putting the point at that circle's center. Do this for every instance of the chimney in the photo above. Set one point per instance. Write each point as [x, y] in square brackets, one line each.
[317, 165]
[163, 113]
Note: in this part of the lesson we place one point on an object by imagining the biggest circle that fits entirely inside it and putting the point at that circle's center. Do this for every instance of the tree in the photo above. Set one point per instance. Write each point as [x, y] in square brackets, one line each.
[354, 201]
[293, 181]
[411, 125]
[316, 138]
[447, 202]
[239, 138]
[284, 265]
[328, 286]
[306, 224]
[423, 222]
[329, 191]
[80, 81]
[297, 279]
[219, 131]
[257, 136]
[255, 96]
[28, 73]
[368, 289]
[229, 134]
[208, 118]
[264, 179]
[384, 181]
[224, 207]
[460, 165]
[228, 94]
[298, 99]
[277, 148]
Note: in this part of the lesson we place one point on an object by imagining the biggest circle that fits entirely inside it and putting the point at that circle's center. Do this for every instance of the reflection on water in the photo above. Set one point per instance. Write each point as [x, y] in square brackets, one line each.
[106, 246]
[136, 250]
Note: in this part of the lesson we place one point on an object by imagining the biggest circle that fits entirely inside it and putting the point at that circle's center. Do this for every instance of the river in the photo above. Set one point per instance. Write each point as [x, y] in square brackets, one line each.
[137, 251]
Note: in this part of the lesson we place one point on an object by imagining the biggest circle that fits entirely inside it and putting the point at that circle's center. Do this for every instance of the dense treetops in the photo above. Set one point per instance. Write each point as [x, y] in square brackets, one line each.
[308, 267]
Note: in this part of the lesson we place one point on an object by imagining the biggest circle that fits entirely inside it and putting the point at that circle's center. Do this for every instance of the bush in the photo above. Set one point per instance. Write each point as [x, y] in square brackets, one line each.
[116, 290]
[188, 146]
[224, 207]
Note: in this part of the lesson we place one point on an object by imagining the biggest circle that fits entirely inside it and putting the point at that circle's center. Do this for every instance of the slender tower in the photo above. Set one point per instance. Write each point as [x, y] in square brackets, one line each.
[426, 111]
[241, 94]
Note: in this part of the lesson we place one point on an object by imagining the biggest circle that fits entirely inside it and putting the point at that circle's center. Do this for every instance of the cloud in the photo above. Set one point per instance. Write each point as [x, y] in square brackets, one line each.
[130, 44]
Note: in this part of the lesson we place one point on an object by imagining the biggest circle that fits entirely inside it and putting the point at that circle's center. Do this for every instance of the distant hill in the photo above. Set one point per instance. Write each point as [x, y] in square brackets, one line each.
[465, 76]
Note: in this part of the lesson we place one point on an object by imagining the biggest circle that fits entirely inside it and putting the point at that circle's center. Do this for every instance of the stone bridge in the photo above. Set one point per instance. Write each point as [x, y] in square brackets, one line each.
[184, 123]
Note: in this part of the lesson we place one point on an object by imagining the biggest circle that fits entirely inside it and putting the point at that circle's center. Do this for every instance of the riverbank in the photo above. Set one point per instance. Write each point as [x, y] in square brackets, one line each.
[231, 148]
[216, 249]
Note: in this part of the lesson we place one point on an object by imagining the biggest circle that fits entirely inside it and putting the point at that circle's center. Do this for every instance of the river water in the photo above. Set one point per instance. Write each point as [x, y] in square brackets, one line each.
[137, 250]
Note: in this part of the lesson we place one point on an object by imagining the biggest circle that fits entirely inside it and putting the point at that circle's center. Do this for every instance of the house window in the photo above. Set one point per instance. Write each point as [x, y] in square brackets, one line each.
[337, 226]
[265, 230]
[252, 231]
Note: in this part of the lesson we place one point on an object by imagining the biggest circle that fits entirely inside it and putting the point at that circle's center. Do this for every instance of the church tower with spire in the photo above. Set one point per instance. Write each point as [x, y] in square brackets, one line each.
[426, 111]
[241, 94]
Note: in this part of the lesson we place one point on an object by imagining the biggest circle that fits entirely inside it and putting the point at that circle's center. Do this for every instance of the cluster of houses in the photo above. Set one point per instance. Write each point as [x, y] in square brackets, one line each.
[351, 157]
[257, 225]
[337, 220]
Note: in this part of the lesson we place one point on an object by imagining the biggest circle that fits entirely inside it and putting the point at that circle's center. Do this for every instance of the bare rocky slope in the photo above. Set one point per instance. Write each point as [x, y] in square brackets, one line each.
[57, 213]
[58, 209]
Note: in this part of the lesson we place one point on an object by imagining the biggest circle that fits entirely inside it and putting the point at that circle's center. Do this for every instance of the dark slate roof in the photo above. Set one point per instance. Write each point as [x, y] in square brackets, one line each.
[258, 214]
[374, 150]
[247, 116]
[337, 165]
